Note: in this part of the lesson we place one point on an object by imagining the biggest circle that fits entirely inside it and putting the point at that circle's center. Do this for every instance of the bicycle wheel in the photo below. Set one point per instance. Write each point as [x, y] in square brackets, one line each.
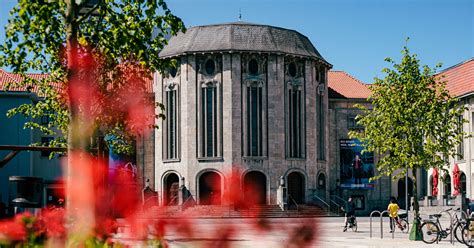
[430, 232]
[468, 235]
[404, 226]
[458, 232]
[354, 225]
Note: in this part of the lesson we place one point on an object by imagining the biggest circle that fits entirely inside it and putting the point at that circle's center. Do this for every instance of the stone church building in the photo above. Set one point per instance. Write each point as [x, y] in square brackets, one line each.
[255, 110]
[245, 101]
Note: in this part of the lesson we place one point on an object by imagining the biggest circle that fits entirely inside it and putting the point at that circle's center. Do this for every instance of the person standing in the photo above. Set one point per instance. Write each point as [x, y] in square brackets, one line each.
[357, 165]
[349, 208]
[393, 214]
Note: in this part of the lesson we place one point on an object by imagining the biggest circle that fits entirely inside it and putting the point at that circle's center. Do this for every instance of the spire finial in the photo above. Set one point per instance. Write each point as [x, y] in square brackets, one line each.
[240, 15]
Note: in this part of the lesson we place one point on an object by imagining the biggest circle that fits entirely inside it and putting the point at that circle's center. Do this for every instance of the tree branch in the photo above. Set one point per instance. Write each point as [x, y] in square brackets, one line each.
[88, 13]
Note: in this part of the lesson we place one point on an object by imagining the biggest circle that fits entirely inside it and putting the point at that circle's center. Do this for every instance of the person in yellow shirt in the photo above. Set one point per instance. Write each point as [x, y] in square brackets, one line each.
[393, 214]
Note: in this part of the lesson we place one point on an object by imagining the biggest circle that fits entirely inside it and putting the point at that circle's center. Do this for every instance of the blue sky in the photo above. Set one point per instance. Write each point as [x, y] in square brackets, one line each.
[353, 35]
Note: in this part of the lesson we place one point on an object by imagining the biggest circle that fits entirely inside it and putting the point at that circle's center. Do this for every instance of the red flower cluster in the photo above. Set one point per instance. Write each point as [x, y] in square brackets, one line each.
[12, 230]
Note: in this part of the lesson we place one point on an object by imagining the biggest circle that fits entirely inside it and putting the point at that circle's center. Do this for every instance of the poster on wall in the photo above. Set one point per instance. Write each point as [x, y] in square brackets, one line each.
[356, 167]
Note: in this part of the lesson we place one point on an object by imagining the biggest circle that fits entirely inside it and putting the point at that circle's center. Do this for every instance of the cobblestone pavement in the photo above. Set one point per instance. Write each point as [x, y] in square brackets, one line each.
[245, 233]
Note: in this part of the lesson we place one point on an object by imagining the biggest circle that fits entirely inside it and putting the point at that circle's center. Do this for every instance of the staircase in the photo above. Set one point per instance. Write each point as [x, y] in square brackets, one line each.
[226, 211]
[212, 211]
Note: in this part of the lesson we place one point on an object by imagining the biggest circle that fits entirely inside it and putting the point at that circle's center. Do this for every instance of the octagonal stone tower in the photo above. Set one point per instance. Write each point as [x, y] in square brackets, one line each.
[246, 100]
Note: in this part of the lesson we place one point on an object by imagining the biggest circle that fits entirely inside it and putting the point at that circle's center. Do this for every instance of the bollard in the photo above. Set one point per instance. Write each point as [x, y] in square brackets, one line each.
[381, 223]
[451, 222]
[371, 214]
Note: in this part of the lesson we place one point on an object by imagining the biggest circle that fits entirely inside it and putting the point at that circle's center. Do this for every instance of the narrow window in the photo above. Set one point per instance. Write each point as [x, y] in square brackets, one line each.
[460, 150]
[321, 125]
[209, 122]
[254, 120]
[209, 108]
[295, 128]
[254, 104]
[171, 122]
[295, 112]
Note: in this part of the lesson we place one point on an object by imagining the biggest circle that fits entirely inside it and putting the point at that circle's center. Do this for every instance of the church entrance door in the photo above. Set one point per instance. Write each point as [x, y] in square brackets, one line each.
[210, 188]
[296, 187]
[255, 188]
[172, 189]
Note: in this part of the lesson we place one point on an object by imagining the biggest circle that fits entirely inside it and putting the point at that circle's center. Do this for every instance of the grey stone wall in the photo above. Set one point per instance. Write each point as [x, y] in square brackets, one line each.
[145, 157]
[275, 164]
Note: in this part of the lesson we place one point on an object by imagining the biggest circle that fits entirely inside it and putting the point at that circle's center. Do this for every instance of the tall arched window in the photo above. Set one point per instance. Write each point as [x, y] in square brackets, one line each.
[462, 180]
[321, 75]
[254, 105]
[209, 119]
[447, 184]
[295, 110]
[171, 123]
[209, 107]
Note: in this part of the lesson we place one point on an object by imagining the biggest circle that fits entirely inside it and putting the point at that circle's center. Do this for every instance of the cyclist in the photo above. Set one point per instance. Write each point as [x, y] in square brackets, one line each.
[393, 214]
[350, 212]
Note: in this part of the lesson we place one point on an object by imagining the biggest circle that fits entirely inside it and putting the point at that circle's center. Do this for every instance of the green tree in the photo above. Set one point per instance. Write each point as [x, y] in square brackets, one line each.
[40, 36]
[91, 51]
[412, 123]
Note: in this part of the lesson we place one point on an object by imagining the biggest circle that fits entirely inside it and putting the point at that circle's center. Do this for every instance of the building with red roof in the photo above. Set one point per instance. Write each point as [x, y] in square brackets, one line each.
[344, 86]
[350, 175]
[459, 78]
[34, 164]
[13, 132]
[460, 83]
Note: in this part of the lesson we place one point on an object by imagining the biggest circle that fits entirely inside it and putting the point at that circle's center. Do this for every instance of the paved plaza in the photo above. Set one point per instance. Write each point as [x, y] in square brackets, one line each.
[244, 233]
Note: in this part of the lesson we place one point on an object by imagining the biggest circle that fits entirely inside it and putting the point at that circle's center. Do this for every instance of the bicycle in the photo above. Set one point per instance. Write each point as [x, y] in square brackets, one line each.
[352, 221]
[402, 222]
[459, 224]
[432, 231]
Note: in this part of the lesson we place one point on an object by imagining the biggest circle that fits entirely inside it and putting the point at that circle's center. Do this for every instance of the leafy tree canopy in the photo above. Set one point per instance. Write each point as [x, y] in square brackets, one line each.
[118, 33]
[413, 122]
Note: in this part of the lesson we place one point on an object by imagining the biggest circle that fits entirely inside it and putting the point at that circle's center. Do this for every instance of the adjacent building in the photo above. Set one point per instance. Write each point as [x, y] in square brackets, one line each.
[350, 169]
[32, 164]
[460, 83]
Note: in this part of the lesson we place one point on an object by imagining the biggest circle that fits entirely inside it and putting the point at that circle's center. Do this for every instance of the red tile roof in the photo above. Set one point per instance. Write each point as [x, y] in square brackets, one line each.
[8, 77]
[343, 85]
[460, 78]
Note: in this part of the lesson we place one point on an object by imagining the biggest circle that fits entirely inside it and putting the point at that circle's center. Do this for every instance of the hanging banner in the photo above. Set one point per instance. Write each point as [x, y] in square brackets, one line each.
[356, 168]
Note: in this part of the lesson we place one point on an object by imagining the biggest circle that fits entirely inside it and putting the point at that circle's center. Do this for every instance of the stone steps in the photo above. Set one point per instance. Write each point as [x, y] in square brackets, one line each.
[220, 211]
[226, 211]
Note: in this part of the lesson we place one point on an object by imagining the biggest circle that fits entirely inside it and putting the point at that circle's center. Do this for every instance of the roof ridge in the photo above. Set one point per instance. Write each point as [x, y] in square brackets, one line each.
[28, 74]
[243, 23]
[456, 65]
[9, 75]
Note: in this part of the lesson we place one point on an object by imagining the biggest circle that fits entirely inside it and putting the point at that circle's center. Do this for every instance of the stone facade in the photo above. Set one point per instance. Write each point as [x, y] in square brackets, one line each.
[238, 89]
